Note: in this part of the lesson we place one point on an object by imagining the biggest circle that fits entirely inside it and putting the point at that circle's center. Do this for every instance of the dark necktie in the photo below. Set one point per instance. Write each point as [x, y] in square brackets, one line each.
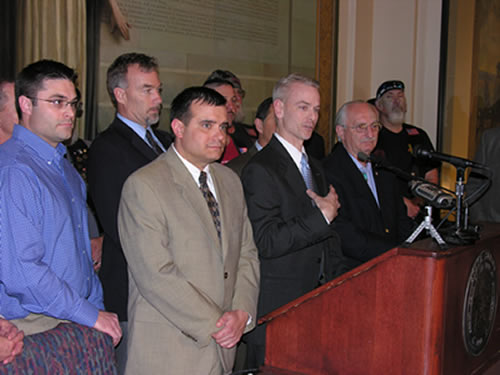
[213, 206]
[154, 145]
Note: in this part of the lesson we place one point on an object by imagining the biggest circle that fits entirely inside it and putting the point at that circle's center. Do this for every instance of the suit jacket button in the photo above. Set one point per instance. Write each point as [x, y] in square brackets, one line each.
[226, 275]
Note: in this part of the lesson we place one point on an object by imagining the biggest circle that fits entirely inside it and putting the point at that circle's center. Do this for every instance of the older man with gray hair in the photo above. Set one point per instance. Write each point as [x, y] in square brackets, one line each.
[373, 217]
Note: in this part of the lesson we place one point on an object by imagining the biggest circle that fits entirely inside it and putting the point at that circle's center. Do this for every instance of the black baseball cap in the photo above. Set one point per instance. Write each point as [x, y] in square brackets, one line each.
[388, 86]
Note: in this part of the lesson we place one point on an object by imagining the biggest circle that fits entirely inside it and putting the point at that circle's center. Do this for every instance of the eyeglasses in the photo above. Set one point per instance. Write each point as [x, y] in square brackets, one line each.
[60, 104]
[362, 128]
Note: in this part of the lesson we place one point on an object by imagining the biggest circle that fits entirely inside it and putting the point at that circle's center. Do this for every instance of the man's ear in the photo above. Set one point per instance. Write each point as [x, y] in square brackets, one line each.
[120, 95]
[259, 125]
[339, 129]
[25, 104]
[378, 104]
[279, 108]
[177, 127]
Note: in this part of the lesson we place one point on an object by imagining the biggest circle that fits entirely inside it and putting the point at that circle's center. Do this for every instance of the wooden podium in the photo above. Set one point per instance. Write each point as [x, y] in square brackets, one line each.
[416, 310]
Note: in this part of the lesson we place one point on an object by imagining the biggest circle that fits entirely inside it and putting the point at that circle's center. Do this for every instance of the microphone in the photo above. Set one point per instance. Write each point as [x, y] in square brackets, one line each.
[378, 159]
[420, 188]
[432, 194]
[423, 153]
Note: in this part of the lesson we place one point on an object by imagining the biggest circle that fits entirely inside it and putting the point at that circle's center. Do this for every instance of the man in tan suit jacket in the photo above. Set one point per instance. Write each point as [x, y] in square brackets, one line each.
[193, 270]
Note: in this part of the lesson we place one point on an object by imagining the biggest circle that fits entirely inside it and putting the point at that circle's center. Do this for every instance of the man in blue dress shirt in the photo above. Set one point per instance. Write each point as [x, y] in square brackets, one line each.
[46, 270]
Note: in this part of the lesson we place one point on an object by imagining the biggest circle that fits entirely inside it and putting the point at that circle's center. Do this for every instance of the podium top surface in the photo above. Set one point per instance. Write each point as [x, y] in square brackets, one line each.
[427, 248]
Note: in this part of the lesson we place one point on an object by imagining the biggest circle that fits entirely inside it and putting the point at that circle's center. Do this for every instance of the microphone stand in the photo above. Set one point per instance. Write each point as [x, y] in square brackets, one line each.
[427, 224]
[459, 192]
[462, 234]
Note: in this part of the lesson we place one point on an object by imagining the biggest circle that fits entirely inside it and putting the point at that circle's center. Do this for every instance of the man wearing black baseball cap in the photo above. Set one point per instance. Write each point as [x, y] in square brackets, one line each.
[398, 140]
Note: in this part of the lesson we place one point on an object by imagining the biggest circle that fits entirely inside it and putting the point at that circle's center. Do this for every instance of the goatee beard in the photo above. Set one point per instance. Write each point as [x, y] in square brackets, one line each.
[397, 117]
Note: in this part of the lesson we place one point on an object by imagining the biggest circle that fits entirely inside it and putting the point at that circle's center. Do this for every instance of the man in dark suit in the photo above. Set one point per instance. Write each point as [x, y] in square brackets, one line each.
[265, 124]
[487, 208]
[291, 207]
[373, 216]
[126, 145]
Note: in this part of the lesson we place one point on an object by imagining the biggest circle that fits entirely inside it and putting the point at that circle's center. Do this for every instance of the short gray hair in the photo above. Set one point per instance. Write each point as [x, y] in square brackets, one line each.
[340, 117]
[280, 90]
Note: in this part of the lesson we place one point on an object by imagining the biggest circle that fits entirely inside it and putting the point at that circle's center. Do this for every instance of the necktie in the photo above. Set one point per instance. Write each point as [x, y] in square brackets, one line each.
[213, 206]
[305, 169]
[154, 145]
[370, 182]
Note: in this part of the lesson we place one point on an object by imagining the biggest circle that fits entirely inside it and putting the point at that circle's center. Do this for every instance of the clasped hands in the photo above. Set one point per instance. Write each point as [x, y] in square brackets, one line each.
[232, 324]
[11, 341]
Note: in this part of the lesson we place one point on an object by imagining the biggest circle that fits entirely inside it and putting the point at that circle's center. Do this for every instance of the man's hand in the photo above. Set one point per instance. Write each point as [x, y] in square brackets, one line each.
[11, 341]
[108, 323]
[96, 247]
[233, 324]
[328, 205]
[412, 207]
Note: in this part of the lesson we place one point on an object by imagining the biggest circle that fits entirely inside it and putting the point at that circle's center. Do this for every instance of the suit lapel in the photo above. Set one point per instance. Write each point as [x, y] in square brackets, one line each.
[359, 180]
[382, 194]
[191, 193]
[287, 166]
[136, 141]
[318, 177]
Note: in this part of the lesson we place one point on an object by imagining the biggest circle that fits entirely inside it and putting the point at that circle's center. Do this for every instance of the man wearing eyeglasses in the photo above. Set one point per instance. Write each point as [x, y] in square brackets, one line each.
[373, 218]
[46, 270]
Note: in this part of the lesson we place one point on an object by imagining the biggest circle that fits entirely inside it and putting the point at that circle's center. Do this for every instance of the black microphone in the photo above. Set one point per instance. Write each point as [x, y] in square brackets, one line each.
[432, 194]
[378, 159]
[421, 152]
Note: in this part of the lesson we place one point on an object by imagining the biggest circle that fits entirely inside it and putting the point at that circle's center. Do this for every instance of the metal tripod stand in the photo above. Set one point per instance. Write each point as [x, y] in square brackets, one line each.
[427, 224]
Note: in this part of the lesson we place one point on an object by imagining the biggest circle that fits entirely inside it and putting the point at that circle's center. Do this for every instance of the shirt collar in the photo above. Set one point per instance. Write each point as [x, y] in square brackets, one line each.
[40, 146]
[193, 169]
[138, 129]
[360, 166]
[295, 154]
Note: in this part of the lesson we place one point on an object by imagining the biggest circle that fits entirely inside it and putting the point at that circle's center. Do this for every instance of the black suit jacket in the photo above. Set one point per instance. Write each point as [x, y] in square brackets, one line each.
[291, 233]
[366, 230]
[239, 162]
[113, 156]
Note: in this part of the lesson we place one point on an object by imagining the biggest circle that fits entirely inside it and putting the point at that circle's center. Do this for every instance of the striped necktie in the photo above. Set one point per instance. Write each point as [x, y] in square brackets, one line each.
[305, 169]
[154, 145]
[213, 206]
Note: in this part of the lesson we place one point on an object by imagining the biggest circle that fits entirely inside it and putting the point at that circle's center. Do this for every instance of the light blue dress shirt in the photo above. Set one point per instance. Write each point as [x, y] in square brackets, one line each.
[367, 173]
[141, 131]
[45, 258]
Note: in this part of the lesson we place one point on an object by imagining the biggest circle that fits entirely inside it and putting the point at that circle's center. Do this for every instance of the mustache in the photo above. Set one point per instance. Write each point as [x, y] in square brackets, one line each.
[159, 107]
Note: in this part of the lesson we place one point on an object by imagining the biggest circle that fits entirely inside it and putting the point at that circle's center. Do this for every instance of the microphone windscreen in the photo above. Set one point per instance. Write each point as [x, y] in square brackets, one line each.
[363, 157]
